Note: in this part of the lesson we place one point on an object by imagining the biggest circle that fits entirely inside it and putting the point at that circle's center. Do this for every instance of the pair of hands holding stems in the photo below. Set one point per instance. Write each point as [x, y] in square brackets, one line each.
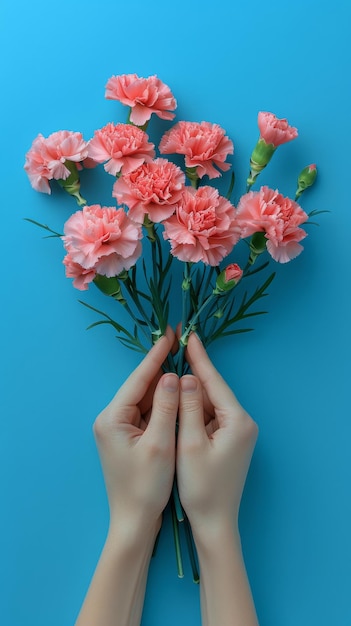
[135, 436]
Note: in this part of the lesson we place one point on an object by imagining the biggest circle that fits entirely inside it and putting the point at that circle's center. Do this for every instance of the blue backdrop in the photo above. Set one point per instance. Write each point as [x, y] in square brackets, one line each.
[224, 62]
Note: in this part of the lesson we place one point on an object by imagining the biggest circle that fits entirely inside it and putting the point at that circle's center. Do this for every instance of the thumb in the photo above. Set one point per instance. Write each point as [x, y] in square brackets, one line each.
[191, 411]
[161, 427]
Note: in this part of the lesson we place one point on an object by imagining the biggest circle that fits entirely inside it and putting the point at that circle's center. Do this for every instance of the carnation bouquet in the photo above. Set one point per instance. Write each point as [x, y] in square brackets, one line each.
[170, 211]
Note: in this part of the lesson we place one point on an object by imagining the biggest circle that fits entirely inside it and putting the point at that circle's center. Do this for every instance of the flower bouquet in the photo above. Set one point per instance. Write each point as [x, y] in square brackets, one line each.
[171, 213]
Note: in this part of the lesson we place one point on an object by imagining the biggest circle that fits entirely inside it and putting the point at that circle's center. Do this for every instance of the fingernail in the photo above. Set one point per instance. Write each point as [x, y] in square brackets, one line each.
[170, 382]
[188, 383]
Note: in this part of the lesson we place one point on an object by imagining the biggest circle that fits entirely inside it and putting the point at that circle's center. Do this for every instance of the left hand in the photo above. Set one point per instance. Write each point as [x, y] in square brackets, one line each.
[135, 436]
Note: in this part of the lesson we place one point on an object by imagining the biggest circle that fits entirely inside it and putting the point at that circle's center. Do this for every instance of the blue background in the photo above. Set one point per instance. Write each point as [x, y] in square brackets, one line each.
[224, 62]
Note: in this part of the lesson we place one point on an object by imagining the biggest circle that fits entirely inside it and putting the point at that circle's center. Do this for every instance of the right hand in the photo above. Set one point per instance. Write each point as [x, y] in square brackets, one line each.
[216, 440]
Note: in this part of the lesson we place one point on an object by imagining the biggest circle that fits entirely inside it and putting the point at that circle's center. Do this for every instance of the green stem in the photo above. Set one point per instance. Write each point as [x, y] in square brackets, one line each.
[184, 338]
[212, 327]
[169, 365]
[159, 300]
[208, 280]
[133, 294]
[177, 503]
[241, 314]
[135, 319]
[154, 261]
[191, 551]
[231, 186]
[185, 299]
[177, 542]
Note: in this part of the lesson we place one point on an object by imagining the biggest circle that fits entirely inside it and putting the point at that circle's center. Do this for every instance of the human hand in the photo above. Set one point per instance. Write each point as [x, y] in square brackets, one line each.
[135, 436]
[216, 439]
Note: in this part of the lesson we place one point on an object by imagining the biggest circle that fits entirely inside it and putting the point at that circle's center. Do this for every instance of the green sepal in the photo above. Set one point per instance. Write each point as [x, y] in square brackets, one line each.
[223, 285]
[110, 286]
[72, 183]
[191, 174]
[261, 155]
[258, 245]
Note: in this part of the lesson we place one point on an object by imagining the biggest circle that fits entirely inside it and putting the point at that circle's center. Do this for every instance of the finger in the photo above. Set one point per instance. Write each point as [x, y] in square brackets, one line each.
[175, 346]
[217, 390]
[191, 411]
[161, 428]
[178, 331]
[137, 384]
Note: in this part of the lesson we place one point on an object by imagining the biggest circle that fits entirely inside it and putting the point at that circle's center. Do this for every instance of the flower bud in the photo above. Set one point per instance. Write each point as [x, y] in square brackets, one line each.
[228, 278]
[306, 179]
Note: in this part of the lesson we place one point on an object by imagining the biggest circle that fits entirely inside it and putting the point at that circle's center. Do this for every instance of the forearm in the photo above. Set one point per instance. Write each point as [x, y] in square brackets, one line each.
[116, 593]
[225, 591]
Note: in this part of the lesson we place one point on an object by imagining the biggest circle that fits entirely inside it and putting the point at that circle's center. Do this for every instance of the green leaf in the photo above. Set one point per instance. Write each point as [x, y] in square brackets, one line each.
[44, 226]
[253, 313]
[236, 331]
[231, 186]
[109, 319]
[257, 269]
[317, 212]
[131, 345]
[129, 341]
[242, 312]
[97, 324]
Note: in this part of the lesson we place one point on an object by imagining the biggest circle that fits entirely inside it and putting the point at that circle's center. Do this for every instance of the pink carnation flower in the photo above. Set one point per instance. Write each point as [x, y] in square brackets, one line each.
[275, 131]
[204, 146]
[278, 217]
[102, 239]
[144, 95]
[81, 276]
[124, 147]
[153, 189]
[47, 156]
[203, 227]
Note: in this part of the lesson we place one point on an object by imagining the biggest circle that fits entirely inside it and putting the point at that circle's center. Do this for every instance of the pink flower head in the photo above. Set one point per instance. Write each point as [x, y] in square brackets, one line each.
[204, 146]
[275, 131]
[144, 95]
[153, 189]
[203, 227]
[102, 239]
[124, 146]
[81, 276]
[47, 156]
[269, 212]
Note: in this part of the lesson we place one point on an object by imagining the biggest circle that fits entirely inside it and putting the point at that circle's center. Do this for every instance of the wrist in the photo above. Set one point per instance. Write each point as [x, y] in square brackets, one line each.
[213, 534]
[129, 535]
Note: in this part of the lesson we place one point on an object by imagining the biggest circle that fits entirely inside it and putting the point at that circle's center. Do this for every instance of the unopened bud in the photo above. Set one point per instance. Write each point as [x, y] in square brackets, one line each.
[228, 278]
[306, 179]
